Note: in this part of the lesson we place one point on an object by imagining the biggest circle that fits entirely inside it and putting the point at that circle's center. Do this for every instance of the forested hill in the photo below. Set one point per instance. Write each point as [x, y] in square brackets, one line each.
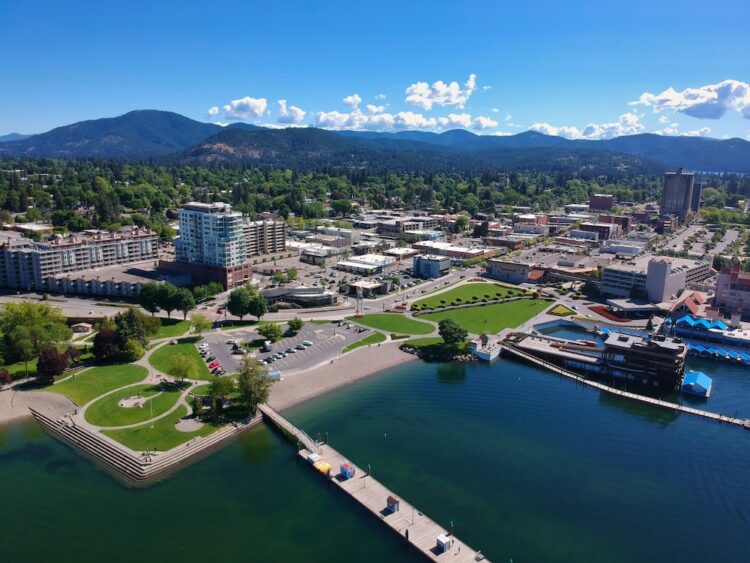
[169, 137]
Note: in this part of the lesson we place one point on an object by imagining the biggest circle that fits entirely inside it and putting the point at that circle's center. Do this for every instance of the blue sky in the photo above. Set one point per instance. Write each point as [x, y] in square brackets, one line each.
[572, 68]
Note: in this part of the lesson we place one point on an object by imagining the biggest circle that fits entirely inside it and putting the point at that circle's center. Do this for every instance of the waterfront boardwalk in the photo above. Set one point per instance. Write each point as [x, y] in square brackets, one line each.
[742, 422]
[408, 521]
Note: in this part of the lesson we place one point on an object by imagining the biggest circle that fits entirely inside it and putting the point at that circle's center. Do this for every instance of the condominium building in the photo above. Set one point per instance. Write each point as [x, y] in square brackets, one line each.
[264, 237]
[211, 234]
[677, 194]
[42, 265]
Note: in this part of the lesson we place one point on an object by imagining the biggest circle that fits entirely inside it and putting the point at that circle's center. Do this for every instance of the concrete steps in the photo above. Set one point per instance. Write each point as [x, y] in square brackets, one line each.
[135, 467]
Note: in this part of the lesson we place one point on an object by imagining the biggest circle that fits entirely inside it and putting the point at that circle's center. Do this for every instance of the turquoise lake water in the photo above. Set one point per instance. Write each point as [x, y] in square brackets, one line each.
[527, 466]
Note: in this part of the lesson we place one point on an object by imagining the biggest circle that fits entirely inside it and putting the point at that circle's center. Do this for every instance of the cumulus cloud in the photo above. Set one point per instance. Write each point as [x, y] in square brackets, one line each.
[422, 95]
[290, 114]
[627, 124]
[245, 108]
[482, 122]
[673, 129]
[495, 110]
[455, 120]
[702, 132]
[213, 111]
[373, 109]
[352, 101]
[380, 96]
[711, 101]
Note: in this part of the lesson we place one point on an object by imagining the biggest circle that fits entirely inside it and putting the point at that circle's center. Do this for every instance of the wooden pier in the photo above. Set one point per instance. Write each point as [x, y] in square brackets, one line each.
[510, 349]
[410, 523]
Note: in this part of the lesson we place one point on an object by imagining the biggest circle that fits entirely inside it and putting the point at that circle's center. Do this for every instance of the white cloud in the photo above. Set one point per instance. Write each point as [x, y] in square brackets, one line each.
[663, 119]
[290, 114]
[213, 111]
[508, 117]
[245, 108]
[627, 124]
[495, 110]
[702, 132]
[673, 129]
[380, 96]
[352, 101]
[485, 88]
[373, 109]
[455, 120]
[670, 130]
[482, 122]
[422, 95]
[711, 101]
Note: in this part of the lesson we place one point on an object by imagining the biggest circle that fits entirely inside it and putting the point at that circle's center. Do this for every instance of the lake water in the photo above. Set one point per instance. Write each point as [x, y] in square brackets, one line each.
[527, 466]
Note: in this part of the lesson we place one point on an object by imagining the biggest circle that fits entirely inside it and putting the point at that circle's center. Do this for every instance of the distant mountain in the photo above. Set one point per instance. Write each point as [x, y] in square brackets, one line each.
[13, 137]
[151, 134]
[135, 135]
[315, 149]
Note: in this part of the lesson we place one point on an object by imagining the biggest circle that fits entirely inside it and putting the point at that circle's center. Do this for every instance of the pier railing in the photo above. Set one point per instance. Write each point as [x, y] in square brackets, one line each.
[302, 438]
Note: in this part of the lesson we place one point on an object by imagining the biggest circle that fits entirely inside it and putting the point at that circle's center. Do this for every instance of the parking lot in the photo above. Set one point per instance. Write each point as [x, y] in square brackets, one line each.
[327, 340]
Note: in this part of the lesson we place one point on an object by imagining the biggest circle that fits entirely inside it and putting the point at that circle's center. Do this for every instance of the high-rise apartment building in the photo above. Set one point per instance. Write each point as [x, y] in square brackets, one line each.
[216, 243]
[677, 195]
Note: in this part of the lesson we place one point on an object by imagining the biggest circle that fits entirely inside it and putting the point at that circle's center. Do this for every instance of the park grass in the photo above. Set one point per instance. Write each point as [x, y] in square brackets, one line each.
[232, 324]
[160, 359]
[171, 328]
[96, 381]
[18, 370]
[493, 317]
[162, 437]
[107, 411]
[391, 322]
[423, 342]
[374, 338]
[468, 293]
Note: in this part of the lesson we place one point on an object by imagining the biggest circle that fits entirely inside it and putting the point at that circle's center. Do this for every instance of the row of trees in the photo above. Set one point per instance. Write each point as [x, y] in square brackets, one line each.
[246, 300]
[166, 297]
[123, 339]
[252, 385]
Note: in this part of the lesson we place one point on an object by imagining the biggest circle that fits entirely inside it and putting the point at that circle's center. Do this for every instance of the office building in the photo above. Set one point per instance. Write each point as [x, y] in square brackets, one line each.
[695, 201]
[733, 292]
[601, 202]
[430, 266]
[677, 195]
[263, 237]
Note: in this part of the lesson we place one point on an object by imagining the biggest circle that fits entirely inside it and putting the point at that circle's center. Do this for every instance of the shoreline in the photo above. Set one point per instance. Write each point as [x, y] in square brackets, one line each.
[359, 364]
[14, 405]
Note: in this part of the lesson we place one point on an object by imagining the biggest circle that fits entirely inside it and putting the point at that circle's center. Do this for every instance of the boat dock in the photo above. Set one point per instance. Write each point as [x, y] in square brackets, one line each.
[409, 522]
[512, 350]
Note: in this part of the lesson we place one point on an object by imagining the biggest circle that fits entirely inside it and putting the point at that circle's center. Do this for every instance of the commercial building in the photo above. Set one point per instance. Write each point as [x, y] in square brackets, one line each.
[605, 231]
[431, 266]
[733, 292]
[695, 200]
[511, 270]
[656, 278]
[53, 265]
[677, 195]
[457, 252]
[367, 264]
[601, 202]
[301, 296]
[657, 361]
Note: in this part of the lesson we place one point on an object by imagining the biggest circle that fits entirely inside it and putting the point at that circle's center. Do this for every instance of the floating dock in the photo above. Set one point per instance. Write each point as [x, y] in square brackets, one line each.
[410, 523]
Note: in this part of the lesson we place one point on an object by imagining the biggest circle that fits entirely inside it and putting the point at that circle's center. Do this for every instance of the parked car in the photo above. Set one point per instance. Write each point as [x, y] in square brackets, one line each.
[299, 347]
[231, 341]
[307, 343]
[214, 364]
[238, 351]
[210, 358]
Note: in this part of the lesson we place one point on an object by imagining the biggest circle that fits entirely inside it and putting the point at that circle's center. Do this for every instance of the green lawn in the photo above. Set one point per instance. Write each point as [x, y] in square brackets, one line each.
[18, 370]
[96, 381]
[172, 328]
[468, 293]
[162, 437]
[160, 359]
[391, 322]
[107, 412]
[374, 338]
[421, 342]
[494, 317]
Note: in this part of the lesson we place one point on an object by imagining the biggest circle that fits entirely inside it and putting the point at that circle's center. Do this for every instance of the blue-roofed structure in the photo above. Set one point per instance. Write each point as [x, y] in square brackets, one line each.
[697, 383]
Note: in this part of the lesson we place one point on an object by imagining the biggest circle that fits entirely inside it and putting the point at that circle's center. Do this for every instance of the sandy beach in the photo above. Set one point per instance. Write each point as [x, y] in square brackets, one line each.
[361, 363]
[15, 404]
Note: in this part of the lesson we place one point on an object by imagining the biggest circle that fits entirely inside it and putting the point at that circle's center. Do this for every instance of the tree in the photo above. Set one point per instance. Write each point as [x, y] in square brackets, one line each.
[182, 367]
[29, 327]
[238, 303]
[105, 345]
[184, 301]
[149, 297]
[133, 350]
[258, 306]
[129, 326]
[462, 223]
[295, 325]
[166, 298]
[451, 332]
[291, 274]
[270, 331]
[22, 343]
[221, 387]
[253, 383]
[51, 363]
[200, 323]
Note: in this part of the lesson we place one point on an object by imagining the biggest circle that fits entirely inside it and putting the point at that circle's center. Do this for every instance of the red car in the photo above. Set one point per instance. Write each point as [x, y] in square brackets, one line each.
[213, 365]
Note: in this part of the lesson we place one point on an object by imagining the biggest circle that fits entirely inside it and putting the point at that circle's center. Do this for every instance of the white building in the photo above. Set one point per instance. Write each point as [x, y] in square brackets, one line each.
[367, 264]
[211, 234]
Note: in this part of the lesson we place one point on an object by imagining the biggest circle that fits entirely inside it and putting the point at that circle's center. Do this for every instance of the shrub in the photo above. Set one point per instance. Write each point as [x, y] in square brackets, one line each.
[133, 351]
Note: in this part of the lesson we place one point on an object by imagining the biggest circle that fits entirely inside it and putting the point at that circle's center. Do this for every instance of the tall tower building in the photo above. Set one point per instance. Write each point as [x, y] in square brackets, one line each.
[677, 195]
